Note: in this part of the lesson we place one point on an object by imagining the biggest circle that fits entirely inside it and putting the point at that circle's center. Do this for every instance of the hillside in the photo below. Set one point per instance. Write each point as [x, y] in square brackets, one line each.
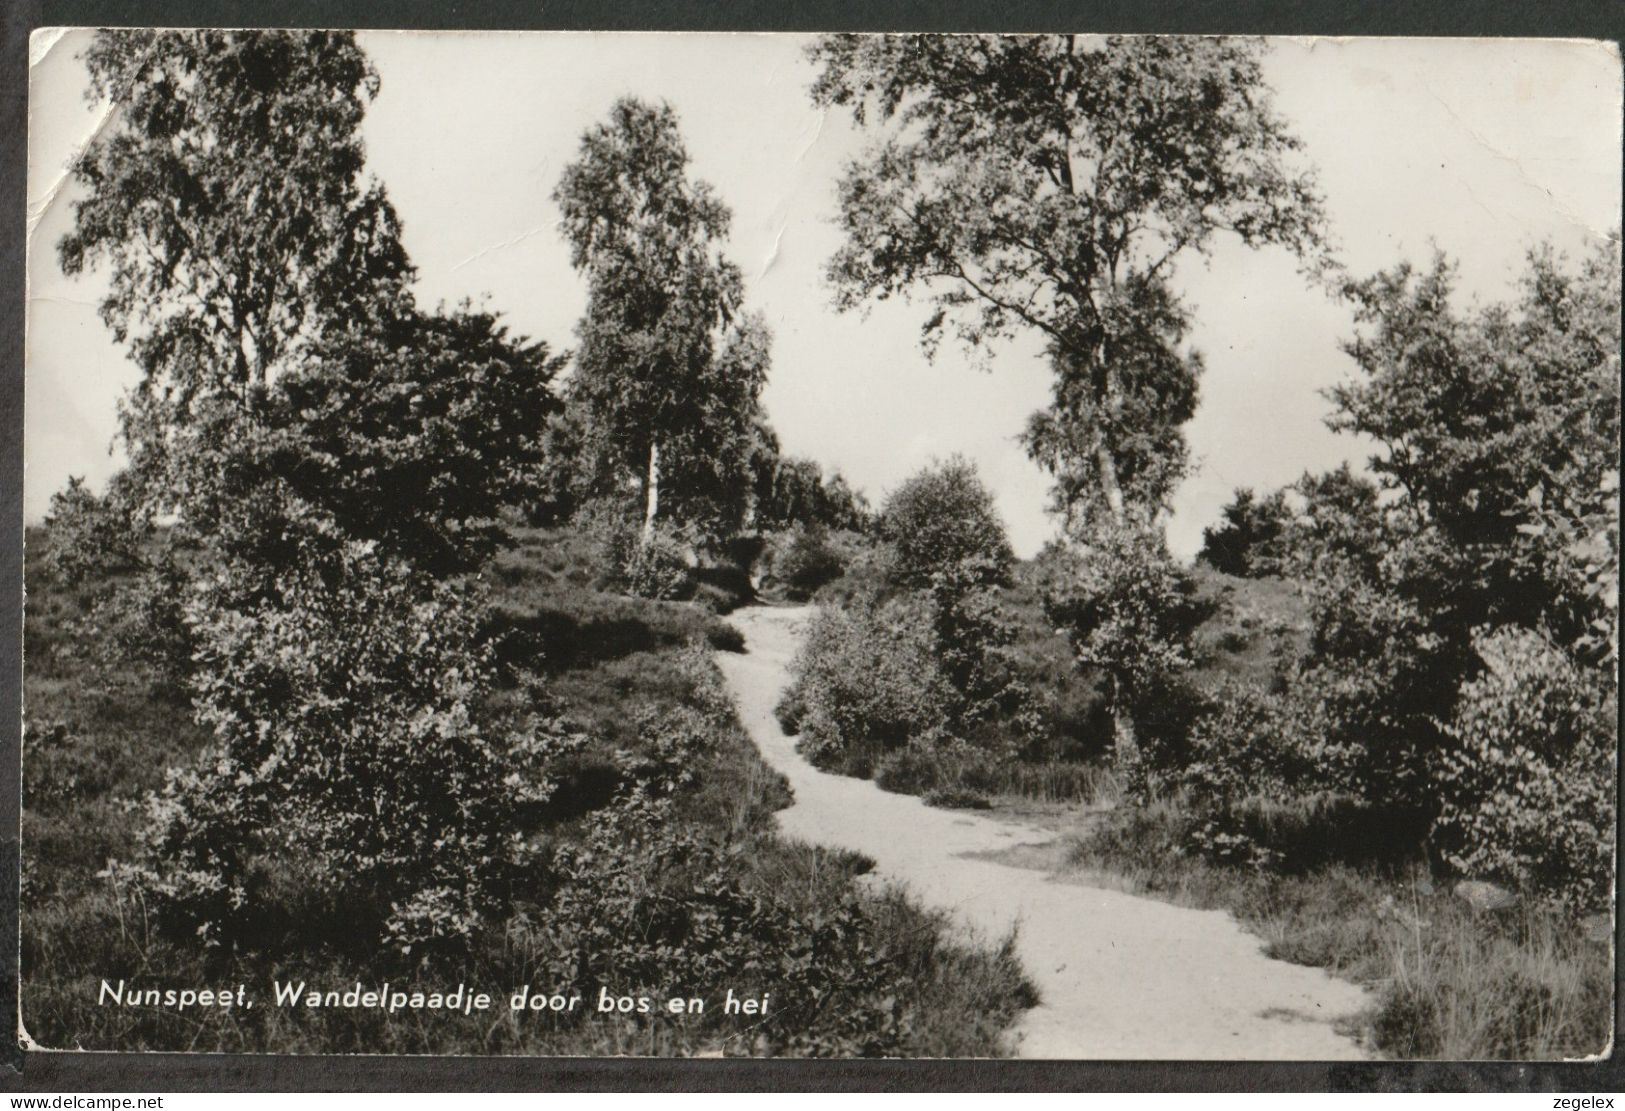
[711, 900]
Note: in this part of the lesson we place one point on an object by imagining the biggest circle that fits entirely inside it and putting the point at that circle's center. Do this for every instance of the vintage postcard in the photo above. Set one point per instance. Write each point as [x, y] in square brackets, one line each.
[931, 546]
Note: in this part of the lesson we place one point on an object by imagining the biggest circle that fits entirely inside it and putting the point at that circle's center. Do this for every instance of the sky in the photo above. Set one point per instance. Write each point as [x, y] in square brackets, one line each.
[1480, 148]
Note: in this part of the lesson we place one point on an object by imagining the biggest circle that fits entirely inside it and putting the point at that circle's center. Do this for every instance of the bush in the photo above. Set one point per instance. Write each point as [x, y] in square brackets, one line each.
[658, 568]
[1129, 611]
[612, 527]
[972, 634]
[957, 798]
[344, 747]
[144, 619]
[937, 764]
[649, 903]
[1252, 743]
[941, 519]
[805, 562]
[864, 682]
[1528, 794]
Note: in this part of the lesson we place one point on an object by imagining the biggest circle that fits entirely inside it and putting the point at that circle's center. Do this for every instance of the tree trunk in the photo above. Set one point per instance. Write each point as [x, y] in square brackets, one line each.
[651, 504]
[1109, 483]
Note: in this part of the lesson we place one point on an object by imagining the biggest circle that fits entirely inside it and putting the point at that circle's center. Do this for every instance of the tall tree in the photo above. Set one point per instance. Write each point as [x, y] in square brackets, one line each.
[1048, 183]
[669, 368]
[340, 456]
[1499, 473]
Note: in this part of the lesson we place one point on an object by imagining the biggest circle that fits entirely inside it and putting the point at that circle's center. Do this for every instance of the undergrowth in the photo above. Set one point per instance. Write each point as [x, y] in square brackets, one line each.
[661, 873]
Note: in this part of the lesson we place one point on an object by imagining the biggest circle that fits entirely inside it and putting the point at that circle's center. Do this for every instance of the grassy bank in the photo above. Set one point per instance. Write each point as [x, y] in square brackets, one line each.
[715, 898]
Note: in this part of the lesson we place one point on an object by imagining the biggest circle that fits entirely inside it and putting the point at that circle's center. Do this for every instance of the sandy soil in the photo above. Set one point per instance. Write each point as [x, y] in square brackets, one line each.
[1118, 976]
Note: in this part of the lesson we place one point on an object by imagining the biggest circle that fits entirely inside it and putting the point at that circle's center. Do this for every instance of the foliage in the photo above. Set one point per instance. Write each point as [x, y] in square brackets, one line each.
[418, 437]
[658, 567]
[1047, 183]
[1486, 419]
[1528, 790]
[1113, 435]
[947, 544]
[957, 798]
[342, 713]
[87, 536]
[226, 199]
[937, 763]
[1478, 412]
[972, 632]
[805, 561]
[414, 438]
[1340, 522]
[863, 682]
[1248, 540]
[1256, 776]
[144, 619]
[669, 369]
[1128, 610]
[792, 491]
[858, 971]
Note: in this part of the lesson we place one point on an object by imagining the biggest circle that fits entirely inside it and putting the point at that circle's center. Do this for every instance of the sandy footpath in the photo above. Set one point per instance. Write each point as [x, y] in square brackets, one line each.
[1118, 976]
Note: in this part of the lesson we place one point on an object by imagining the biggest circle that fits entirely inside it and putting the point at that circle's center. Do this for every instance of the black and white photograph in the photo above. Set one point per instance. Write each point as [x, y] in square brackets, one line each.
[1087, 547]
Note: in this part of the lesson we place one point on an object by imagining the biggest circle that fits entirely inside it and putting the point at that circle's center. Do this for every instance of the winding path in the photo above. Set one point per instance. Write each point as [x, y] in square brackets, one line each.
[1118, 976]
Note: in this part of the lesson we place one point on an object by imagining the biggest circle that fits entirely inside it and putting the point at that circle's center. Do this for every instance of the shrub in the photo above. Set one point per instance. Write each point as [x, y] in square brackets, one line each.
[648, 903]
[612, 527]
[937, 763]
[972, 634]
[1129, 611]
[1528, 793]
[943, 518]
[658, 568]
[144, 618]
[1250, 743]
[724, 637]
[864, 682]
[805, 562]
[1250, 539]
[344, 746]
[957, 798]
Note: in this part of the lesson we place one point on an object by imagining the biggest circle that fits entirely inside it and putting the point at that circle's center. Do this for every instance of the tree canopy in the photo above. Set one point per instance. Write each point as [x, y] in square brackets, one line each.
[1498, 517]
[1048, 183]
